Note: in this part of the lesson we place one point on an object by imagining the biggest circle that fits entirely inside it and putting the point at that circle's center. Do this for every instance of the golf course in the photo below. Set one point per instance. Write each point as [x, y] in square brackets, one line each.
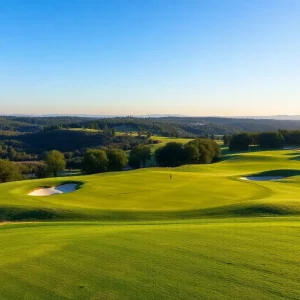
[226, 230]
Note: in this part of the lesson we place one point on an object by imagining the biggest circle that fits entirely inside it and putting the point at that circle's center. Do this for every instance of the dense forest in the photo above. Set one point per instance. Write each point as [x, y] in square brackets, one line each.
[263, 140]
[168, 126]
[24, 138]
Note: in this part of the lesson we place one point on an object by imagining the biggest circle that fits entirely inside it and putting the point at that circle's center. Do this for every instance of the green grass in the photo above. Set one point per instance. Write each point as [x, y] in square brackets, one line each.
[164, 140]
[84, 129]
[190, 260]
[205, 234]
[149, 194]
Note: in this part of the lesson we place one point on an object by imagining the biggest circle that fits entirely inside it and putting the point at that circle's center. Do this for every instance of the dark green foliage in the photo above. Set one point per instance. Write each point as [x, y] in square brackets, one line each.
[9, 171]
[139, 155]
[74, 162]
[94, 125]
[167, 126]
[226, 140]
[291, 137]
[209, 150]
[31, 169]
[197, 151]
[190, 154]
[240, 142]
[94, 161]
[270, 140]
[142, 125]
[62, 140]
[117, 159]
[219, 125]
[265, 140]
[170, 155]
[55, 162]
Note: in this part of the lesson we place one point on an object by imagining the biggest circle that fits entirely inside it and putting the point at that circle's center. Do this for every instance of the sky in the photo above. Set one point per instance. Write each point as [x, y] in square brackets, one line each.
[133, 57]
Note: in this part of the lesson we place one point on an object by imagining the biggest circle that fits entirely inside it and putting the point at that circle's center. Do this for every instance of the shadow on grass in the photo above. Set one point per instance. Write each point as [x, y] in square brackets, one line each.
[14, 214]
[295, 157]
[276, 173]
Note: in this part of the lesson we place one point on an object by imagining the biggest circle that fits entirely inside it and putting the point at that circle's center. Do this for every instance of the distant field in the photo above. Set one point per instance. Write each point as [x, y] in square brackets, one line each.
[204, 234]
[165, 140]
[85, 129]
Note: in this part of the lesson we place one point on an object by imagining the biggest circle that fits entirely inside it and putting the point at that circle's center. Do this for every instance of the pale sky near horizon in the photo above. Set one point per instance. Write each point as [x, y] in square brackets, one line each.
[192, 57]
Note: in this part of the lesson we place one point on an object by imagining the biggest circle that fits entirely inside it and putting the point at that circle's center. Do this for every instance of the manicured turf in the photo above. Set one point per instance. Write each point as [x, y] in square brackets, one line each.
[194, 191]
[252, 259]
[204, 234]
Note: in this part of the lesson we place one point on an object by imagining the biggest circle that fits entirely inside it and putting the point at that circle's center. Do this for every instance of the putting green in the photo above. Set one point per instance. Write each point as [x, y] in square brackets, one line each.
[204, 234]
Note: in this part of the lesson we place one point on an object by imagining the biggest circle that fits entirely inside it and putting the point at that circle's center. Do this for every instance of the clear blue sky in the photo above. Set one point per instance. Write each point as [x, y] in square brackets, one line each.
[209, 57]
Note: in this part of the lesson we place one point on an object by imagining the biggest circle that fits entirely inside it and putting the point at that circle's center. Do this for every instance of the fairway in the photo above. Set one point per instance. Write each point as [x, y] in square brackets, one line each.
[204, 234]
[192, 260]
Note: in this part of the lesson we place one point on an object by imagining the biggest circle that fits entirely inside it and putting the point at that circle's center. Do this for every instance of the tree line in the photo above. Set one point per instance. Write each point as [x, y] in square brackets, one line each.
[198, 151]
[113, 159]
[264, 140]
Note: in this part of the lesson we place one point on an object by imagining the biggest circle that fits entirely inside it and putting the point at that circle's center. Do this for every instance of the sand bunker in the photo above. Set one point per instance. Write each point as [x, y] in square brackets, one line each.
[291, 148]
[262, 178]
[60, 189]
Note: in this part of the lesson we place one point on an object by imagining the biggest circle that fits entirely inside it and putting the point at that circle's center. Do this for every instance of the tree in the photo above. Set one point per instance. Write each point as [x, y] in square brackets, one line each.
[208, 149]
[94, 161]
[9, 171]
[197, 151]
[270, 140]
[170, 155]
[240, 142]
[291, 137]
[226, 140]
[68, 155]
[11, 153]
[139, 155]
[94, 125]
[55, 162]
[117, 159]
[191, 154]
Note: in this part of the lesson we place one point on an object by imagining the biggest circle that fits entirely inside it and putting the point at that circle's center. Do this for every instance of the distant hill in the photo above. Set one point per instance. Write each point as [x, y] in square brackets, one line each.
[272, 117]
[162, 125]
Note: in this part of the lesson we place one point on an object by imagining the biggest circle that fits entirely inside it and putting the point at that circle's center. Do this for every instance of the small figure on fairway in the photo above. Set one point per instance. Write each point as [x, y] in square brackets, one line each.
[170, 176]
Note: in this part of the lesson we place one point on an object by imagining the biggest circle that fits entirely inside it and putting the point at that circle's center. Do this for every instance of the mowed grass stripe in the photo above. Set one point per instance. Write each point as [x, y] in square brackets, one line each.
[185, 261]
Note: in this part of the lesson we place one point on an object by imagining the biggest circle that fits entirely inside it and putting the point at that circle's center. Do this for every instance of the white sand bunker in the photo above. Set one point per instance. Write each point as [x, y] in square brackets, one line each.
[291, 148]
[262, 178]
[60, 189]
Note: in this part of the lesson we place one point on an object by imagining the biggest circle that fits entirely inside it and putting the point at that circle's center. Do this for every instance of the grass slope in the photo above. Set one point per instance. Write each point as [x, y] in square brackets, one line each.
[140, 235]
[194, 191]
[190, 260]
